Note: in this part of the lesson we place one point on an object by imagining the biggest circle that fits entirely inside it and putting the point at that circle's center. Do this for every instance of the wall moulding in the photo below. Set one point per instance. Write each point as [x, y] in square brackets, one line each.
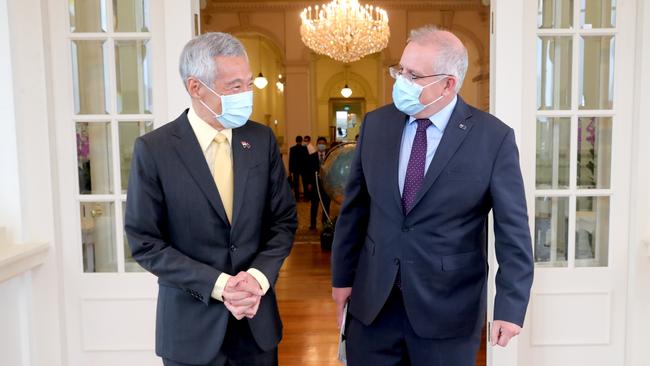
[387, 4]
[15, 259]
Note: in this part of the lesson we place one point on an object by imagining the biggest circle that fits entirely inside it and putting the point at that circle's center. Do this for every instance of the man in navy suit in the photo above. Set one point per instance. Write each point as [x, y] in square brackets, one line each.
[409, 251]
[210, 213]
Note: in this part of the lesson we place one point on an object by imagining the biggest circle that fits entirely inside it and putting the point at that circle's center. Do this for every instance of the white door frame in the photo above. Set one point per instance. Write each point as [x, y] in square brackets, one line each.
[638, 299]
[110, 316]
[513, 99]
[506, 102]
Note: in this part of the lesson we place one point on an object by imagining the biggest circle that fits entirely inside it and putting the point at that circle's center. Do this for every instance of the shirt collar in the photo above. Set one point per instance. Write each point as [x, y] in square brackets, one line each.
[441, 119]
[203, 131]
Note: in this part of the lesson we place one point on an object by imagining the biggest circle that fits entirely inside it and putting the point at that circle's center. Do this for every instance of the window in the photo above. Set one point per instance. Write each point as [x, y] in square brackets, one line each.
[575, 122]
[111, 70]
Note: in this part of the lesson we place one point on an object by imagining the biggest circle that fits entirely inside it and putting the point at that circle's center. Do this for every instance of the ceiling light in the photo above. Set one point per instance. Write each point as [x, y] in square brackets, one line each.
[346, 91]
[260, 81]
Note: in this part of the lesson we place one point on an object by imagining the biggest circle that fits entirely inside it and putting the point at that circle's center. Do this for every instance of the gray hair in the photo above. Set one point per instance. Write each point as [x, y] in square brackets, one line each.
[452, 54]
[197, 58]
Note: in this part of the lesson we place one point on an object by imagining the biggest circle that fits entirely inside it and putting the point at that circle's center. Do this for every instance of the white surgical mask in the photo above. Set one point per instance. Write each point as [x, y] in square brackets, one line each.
[235, 108]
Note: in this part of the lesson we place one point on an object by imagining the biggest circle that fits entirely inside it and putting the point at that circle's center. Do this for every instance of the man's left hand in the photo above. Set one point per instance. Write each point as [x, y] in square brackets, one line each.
[502, 332]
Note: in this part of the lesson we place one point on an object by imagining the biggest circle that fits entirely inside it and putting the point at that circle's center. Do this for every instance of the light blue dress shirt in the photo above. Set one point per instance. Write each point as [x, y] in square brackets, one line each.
[434, 135]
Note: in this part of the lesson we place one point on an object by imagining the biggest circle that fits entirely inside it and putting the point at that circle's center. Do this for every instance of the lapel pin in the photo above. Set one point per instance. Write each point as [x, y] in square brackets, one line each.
[245, 145]
[462, 126]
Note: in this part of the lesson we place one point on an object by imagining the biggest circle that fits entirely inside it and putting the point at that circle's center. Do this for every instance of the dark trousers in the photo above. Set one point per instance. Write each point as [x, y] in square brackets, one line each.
[238, 349]
[307, 184]
[390, 340]
[295, 184]
[315, 204]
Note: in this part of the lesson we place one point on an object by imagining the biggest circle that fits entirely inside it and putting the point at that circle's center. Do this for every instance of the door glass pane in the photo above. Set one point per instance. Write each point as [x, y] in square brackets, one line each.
[554, 72]
[592, 231]
[129, 131]
[132, 65]
[89, 72]
[596, 72]
[98, 237]
[94, 158]
[597, 14]
[594, 152]
[130, 265]
[551, 231]
[554, 13]
[553, 152]
[87, 15]
[131, 15]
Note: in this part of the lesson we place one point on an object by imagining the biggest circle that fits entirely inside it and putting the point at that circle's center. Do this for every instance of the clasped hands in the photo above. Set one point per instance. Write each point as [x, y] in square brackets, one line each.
[242, 295]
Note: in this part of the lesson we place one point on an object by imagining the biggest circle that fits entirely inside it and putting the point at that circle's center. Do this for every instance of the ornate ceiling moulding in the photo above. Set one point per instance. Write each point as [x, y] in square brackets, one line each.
[280, 5]
[244, 19]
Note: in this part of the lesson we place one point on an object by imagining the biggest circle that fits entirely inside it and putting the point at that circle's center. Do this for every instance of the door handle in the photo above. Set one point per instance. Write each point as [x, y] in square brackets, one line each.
[96, 211]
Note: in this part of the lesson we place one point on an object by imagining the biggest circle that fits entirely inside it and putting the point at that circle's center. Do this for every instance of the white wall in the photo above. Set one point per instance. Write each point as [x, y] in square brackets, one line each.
[31, 303]
[9, 185]
[638, 322]
[15, 317]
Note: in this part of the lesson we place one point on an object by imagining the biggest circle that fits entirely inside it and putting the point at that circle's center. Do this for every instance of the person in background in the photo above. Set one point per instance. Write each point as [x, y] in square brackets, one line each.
[308, 178]
[409, 250]
[298, 160]
[210, 214]
[317, 159]
[307, 142]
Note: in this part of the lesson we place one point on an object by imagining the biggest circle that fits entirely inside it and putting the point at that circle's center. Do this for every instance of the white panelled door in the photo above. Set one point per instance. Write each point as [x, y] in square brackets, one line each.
[575, 99]
[113, 81]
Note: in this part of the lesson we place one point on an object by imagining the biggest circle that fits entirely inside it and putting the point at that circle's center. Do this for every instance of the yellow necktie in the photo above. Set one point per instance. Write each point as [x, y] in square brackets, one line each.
[222, 172]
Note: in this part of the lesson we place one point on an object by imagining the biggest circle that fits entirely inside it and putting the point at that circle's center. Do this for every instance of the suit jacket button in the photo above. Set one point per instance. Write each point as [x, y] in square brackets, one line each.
[233, 248]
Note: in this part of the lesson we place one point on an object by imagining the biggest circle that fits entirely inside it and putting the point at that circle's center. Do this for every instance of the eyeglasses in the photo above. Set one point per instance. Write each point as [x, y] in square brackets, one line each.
[397, 70]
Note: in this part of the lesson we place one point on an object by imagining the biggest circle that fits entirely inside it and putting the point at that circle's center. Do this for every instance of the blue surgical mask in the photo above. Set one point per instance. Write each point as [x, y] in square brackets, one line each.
[406, 95]
[322, 147]
[235, 108]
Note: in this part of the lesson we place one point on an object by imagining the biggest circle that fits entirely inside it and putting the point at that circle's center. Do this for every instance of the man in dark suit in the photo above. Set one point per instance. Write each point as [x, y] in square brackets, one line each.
[298, 160]
[210, 213]
[316, 160]
[409, 249]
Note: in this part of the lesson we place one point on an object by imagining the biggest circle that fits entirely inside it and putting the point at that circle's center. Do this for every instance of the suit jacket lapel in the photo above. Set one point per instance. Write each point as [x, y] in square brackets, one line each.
[455, 132]
[241, 153]
[189, 151]
[395, 130]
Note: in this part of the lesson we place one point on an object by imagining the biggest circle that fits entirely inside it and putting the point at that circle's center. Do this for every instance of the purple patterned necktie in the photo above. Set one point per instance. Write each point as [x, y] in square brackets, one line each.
[415, 168]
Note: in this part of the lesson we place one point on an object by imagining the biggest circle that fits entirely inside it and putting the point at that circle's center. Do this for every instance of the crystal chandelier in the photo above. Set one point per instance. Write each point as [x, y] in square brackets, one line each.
[344, 29]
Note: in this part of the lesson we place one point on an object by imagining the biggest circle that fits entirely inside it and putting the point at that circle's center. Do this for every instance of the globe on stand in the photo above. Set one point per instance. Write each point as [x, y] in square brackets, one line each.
[334, 174]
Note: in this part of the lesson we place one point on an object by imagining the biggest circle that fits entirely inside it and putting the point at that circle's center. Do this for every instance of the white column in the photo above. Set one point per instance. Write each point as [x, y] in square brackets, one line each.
[28, 185]
[10, 212]
[506, 86]
[13, 317]
[179, 28]
[638, 299]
